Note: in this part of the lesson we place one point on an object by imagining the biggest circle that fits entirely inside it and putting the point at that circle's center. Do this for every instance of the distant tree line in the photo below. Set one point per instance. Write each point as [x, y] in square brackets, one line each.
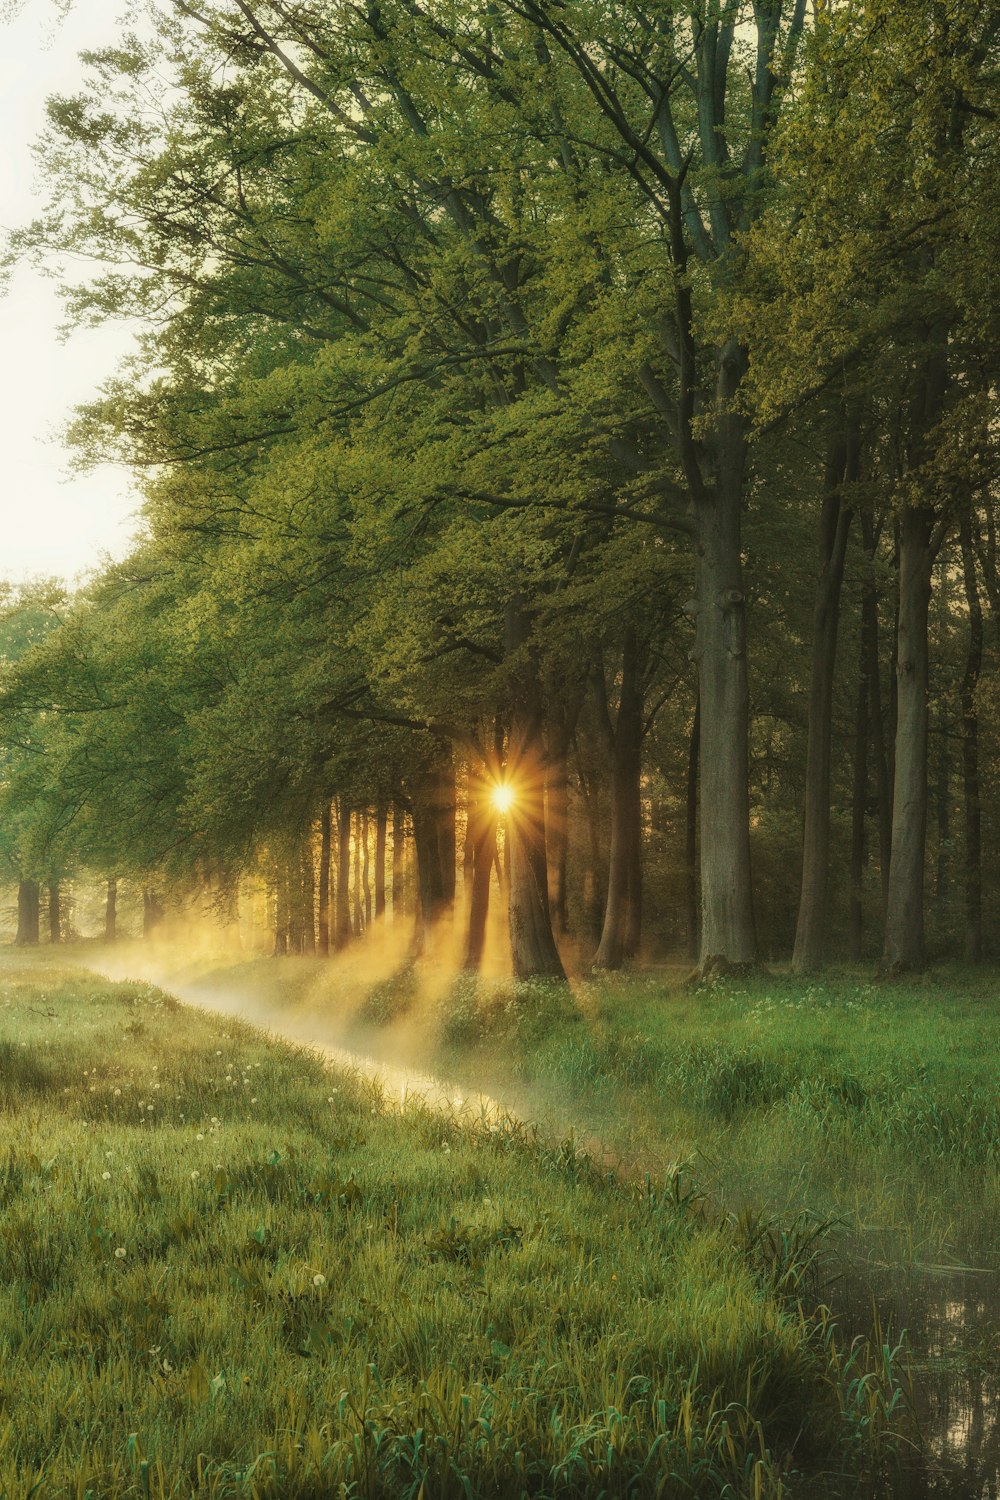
[594, 401]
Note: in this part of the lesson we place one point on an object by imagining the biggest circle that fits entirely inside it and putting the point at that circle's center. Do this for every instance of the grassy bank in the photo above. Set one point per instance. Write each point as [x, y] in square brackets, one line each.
[875, 1104]
[226, 1270]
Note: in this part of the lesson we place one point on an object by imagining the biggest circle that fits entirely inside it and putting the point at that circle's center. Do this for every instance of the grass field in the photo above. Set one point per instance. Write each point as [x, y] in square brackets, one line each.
[875, 1104]
[227, 1270]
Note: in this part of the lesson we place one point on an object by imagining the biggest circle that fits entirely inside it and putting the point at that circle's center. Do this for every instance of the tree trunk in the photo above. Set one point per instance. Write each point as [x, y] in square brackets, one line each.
[973, 868]
[859, 806]
[482, 846]
[595, 893]
[325, 851]
[343, 923]
[308, 885]
[381, 819]
[152, 912]
[55, 914]
[358, 918]
[623, 912]
[397, 862]
[295, 903]
[904, 929]
[557, 818]
[835, 525]
[534, 953]
[873, 673]
[434, 836]
[111, 910]
[727, 927]
[282, 914]
[27, 913]
[691, 836]
[366, 884]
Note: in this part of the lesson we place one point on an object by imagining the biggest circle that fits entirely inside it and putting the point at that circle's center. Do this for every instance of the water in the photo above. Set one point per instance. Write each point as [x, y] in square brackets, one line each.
[950, 1319]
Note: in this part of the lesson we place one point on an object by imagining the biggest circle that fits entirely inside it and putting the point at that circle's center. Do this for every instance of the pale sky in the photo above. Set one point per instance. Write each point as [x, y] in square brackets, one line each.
[51, 522]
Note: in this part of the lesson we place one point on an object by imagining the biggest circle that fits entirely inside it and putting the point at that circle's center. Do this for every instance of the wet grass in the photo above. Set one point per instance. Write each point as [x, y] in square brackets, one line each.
[226, 1270]
[876, 1105]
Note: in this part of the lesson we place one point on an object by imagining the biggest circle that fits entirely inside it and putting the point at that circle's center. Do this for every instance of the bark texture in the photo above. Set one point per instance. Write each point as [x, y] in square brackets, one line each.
[323, 882]
[533, 948]
[622, 927]
[834, 529]
[973, 853]
[27, 913]
[904, 927]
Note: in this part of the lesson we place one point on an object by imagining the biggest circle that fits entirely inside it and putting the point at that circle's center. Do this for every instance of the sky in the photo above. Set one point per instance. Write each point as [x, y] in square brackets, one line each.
[52, 522]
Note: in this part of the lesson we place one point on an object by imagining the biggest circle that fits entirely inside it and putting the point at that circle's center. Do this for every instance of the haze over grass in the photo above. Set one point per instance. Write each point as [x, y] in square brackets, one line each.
[225, 1269]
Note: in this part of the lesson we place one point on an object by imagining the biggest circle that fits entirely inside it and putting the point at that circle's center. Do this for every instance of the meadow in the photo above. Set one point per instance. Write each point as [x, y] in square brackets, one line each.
[227, 1269]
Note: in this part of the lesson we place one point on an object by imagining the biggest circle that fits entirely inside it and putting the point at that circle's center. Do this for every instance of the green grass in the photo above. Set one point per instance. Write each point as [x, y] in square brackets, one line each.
[226, 1270]
[874, 1104]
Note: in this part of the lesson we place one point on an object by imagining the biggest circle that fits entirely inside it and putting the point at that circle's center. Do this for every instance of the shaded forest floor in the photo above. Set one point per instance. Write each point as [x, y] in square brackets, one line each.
[226, 1270]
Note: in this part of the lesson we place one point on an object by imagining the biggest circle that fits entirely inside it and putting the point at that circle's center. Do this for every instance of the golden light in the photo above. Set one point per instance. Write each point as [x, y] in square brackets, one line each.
[503, 796]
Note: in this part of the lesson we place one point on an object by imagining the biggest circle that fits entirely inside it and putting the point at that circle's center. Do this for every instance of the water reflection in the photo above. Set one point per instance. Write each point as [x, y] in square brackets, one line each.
[952, 1323]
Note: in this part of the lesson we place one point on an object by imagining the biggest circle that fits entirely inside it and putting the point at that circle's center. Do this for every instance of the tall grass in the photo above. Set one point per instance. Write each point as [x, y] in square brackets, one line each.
[226, 1270]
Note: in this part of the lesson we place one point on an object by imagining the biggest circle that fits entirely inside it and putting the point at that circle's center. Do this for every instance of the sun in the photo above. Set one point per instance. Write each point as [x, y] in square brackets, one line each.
[503, 796]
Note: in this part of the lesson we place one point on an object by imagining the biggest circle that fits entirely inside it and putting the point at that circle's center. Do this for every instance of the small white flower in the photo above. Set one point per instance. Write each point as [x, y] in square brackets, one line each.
[120, 1253]
[199, 1136]
[195, 1175]
[149, 1109]
[319, 1279]
[254, 1099]
[118, 1093]
[105, 1176]
[218, 1054]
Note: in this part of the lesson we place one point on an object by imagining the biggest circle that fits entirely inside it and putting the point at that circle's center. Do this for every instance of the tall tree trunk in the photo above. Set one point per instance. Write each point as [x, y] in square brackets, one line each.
[973, 855]
[381, 820]
[691, 835]
[727, 927]
[835, 525]
[308, 896]
[448, 834]
[27, 913]
[366, 885]
[358, 917]
[294, 899]
[282, 913]
[55, 913]
[482, 845]
[343, 906]
[595, 891]
[942, 803]
[397, 862]
[904, 929]
[152, 911]
[873, 675]
[533, 949]
[434, 837]
[557, 816]
[111, 910]
[622, 915]
[323, 908]
[859, 800]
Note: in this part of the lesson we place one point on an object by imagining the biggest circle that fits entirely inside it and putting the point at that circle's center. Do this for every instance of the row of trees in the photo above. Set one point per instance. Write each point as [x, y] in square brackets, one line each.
[519, 386]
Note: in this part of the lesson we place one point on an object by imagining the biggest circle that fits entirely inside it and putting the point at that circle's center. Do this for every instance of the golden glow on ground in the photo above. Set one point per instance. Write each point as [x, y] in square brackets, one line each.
[503, 796]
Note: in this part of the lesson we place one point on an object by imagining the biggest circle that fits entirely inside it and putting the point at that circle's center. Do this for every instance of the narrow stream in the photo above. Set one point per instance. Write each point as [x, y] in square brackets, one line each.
[951, 1320]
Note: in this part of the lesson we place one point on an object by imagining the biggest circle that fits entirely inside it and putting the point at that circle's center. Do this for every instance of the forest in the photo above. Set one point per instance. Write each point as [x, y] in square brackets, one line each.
[500, 883]
[567, 443]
